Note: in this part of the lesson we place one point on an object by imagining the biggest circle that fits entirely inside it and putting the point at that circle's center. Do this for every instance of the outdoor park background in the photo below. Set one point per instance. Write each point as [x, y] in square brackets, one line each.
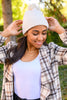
[11, 10]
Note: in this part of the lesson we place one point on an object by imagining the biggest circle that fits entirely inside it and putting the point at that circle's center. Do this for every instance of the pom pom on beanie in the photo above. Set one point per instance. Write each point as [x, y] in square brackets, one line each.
[33, 6]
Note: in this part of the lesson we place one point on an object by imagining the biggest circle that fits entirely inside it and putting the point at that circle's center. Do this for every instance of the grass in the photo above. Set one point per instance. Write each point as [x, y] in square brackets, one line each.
[1, 76]
[63, 80]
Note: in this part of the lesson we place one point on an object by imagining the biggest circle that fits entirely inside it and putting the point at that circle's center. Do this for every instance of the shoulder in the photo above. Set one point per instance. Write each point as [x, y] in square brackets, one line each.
[51, 45]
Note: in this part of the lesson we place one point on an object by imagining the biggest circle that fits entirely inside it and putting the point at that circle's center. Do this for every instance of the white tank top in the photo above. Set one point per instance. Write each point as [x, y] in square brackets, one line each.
[27, 78]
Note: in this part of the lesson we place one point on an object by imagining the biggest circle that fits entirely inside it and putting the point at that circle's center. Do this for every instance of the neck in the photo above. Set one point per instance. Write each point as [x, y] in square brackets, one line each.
[31, 48]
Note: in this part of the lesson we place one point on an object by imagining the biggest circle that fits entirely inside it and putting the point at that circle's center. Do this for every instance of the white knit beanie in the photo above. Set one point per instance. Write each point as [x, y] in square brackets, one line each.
[33, 17]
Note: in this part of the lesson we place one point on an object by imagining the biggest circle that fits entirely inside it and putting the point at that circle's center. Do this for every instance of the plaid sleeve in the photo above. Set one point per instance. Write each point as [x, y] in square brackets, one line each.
[2, 40]
[3, 49]
[63, 37]
[60, 54]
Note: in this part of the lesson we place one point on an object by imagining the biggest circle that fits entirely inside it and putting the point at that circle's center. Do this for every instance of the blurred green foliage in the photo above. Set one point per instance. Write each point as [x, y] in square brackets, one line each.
[54, 8]
[18, 9]
[1, 28]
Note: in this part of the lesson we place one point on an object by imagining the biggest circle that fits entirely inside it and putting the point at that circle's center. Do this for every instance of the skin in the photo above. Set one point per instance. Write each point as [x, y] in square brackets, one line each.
[54, 25]
[35, 39]
[14, 27]
[34, 42]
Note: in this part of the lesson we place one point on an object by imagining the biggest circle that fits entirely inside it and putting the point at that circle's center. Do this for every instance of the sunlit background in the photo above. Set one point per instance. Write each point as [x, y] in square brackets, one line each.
[64, 10]
[20, 6]
[31, 1]
[58, 10]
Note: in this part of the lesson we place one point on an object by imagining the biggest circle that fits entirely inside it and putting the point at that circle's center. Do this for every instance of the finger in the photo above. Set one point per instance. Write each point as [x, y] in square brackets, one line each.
[19, 22]
[49, 18]
[50, 28]
[19, 32]
[19, 28]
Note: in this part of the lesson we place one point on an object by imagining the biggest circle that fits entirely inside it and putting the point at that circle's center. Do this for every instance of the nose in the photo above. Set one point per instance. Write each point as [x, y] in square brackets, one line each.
[40, 37]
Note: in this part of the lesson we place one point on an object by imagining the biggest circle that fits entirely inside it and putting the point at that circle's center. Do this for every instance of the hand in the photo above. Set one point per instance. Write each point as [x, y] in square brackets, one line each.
[54, 25]
[13, 29]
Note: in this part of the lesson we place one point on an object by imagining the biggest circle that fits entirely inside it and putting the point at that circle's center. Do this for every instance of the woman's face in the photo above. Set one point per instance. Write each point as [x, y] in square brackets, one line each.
[36, 36]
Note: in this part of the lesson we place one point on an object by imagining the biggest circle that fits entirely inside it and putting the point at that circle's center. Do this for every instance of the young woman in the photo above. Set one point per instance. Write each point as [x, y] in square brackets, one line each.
[31, 65]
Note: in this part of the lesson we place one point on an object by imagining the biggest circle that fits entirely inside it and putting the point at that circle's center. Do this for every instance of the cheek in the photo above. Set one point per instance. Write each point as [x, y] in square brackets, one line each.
[31, 38]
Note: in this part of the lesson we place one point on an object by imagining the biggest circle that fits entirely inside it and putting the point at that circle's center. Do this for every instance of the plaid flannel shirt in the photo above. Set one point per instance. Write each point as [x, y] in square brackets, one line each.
[50, 57]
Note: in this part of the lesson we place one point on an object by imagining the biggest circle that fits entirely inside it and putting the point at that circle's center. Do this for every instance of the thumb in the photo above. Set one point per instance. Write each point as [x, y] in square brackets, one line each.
[46, 18]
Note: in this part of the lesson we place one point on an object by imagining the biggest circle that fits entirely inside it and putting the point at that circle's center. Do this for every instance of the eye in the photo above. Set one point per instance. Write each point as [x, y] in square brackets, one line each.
[35, 34]
[44, 33]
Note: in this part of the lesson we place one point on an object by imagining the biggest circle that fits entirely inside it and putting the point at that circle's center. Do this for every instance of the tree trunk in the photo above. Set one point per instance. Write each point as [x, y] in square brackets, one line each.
[7, 16]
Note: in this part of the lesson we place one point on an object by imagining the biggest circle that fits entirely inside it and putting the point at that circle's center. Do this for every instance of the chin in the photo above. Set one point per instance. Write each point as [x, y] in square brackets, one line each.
[38, 47]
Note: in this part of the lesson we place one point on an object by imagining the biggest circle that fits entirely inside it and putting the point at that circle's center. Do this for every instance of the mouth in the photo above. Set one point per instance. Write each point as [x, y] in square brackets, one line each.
[39, 43]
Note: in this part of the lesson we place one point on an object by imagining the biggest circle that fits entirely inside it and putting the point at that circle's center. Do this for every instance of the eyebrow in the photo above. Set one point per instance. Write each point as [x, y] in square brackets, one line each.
[38, 30]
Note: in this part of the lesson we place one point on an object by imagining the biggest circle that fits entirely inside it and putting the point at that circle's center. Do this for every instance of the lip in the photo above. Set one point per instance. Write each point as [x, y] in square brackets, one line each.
[39, 43]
